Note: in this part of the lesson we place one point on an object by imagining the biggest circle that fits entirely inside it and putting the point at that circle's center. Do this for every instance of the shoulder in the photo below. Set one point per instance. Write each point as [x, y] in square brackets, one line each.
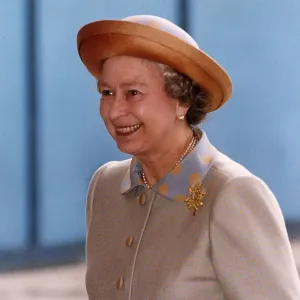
[227, 173]
[225, 169]
[236, 189]
[106, 174]
[112, 170]
[228, 179]
[109, 172]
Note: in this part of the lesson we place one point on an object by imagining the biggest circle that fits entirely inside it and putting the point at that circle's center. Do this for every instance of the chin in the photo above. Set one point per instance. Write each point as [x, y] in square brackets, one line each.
[125, 148]
[128, 148]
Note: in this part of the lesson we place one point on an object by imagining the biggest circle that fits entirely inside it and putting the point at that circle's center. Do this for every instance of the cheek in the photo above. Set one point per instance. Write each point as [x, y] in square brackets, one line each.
[140, 111]
[104, 113]
[101, 111]
[161, 113]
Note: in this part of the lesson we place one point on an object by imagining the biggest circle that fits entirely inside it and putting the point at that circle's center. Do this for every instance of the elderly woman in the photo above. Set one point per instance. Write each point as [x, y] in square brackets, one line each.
[179, 220]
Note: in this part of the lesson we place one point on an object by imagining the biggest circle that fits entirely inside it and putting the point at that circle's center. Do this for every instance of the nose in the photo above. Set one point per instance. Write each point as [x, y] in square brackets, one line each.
[118, 107]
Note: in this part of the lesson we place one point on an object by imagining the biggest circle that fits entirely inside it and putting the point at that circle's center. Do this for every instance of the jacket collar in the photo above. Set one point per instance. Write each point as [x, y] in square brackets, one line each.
[175, 185]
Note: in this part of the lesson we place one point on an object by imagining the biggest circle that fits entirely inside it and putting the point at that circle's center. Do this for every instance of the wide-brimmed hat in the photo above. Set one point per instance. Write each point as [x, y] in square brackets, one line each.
[155, 39]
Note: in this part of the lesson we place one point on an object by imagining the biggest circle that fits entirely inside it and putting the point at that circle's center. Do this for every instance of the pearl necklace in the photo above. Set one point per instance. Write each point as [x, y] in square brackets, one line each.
[189, 149]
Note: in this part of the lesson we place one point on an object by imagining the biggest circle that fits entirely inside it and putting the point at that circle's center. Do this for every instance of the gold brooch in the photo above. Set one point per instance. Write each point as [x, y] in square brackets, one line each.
[194, 200]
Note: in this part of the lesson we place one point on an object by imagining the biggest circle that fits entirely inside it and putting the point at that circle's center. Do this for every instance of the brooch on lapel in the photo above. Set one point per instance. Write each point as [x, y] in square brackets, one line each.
[194, 200]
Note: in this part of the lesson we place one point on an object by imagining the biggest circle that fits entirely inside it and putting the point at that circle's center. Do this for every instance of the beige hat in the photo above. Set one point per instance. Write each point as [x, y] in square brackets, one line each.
[155, 39]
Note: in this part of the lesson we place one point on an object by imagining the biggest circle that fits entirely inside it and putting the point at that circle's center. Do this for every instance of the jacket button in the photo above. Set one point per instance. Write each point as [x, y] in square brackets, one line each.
[129, 241]
[120, 283]
[142, 200]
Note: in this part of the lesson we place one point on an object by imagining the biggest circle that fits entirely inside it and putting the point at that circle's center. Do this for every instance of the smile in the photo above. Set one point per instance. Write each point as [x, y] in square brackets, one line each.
[128, 129]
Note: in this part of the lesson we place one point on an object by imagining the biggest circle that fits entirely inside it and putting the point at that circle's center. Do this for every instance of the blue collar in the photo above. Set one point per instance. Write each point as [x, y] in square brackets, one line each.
[175, 185]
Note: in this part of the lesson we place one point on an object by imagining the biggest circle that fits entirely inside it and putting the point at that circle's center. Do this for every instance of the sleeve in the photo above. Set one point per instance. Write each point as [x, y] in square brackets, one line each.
[91, 190]
[250, 248]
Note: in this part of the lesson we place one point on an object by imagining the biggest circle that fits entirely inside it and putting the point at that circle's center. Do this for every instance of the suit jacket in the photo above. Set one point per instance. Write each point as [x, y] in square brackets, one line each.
[147, 245]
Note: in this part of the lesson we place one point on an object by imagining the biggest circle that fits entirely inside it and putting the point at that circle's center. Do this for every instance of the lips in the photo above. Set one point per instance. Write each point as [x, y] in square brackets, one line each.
[128, 129]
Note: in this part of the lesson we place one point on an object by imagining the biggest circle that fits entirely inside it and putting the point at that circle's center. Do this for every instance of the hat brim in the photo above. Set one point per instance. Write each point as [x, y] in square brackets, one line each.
[101, 40]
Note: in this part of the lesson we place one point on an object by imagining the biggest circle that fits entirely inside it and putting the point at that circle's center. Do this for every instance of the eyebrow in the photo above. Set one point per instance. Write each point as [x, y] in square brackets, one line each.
[123, 84]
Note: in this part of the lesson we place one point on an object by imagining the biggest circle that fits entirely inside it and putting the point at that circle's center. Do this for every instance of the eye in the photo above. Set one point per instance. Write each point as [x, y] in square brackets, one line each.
[133, 92]
[106, 93]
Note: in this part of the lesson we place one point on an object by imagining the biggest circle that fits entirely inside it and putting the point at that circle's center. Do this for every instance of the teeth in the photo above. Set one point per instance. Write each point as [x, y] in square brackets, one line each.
[128, 129]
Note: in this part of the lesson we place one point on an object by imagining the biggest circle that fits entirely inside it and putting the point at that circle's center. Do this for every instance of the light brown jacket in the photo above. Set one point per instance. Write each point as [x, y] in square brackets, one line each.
[141, 246]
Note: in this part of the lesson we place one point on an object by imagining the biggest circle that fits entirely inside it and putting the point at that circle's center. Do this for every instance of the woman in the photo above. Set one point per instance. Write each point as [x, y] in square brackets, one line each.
[179, 220]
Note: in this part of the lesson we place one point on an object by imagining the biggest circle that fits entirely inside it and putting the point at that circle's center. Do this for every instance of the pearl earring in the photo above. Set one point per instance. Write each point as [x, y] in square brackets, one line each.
[181, 117]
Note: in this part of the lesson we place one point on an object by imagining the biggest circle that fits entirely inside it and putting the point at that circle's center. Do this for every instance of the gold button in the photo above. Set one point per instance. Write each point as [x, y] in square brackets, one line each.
[129, 241]
[142, 200]
[120, 283]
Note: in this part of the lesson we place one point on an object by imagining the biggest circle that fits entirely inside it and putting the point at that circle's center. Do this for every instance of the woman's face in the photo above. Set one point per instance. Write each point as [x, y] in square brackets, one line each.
[135, 108]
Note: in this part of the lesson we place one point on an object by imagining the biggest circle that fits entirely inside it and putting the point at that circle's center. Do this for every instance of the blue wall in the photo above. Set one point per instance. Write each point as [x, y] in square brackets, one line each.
[259, 127]
[259, 44]
[12, 125]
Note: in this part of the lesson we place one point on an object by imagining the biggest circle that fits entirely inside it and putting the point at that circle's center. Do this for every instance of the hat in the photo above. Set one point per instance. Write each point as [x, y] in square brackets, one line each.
[156, 39]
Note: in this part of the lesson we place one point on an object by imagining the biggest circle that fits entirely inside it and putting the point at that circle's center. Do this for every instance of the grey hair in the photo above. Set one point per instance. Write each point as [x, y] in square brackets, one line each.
[189, 93]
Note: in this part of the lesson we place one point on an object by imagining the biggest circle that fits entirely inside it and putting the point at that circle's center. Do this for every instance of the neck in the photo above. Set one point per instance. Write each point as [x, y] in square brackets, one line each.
[158, 163]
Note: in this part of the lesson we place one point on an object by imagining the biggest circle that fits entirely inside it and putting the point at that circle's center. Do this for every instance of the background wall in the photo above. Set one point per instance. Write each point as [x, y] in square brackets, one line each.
[257, 42]
[13, 216]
